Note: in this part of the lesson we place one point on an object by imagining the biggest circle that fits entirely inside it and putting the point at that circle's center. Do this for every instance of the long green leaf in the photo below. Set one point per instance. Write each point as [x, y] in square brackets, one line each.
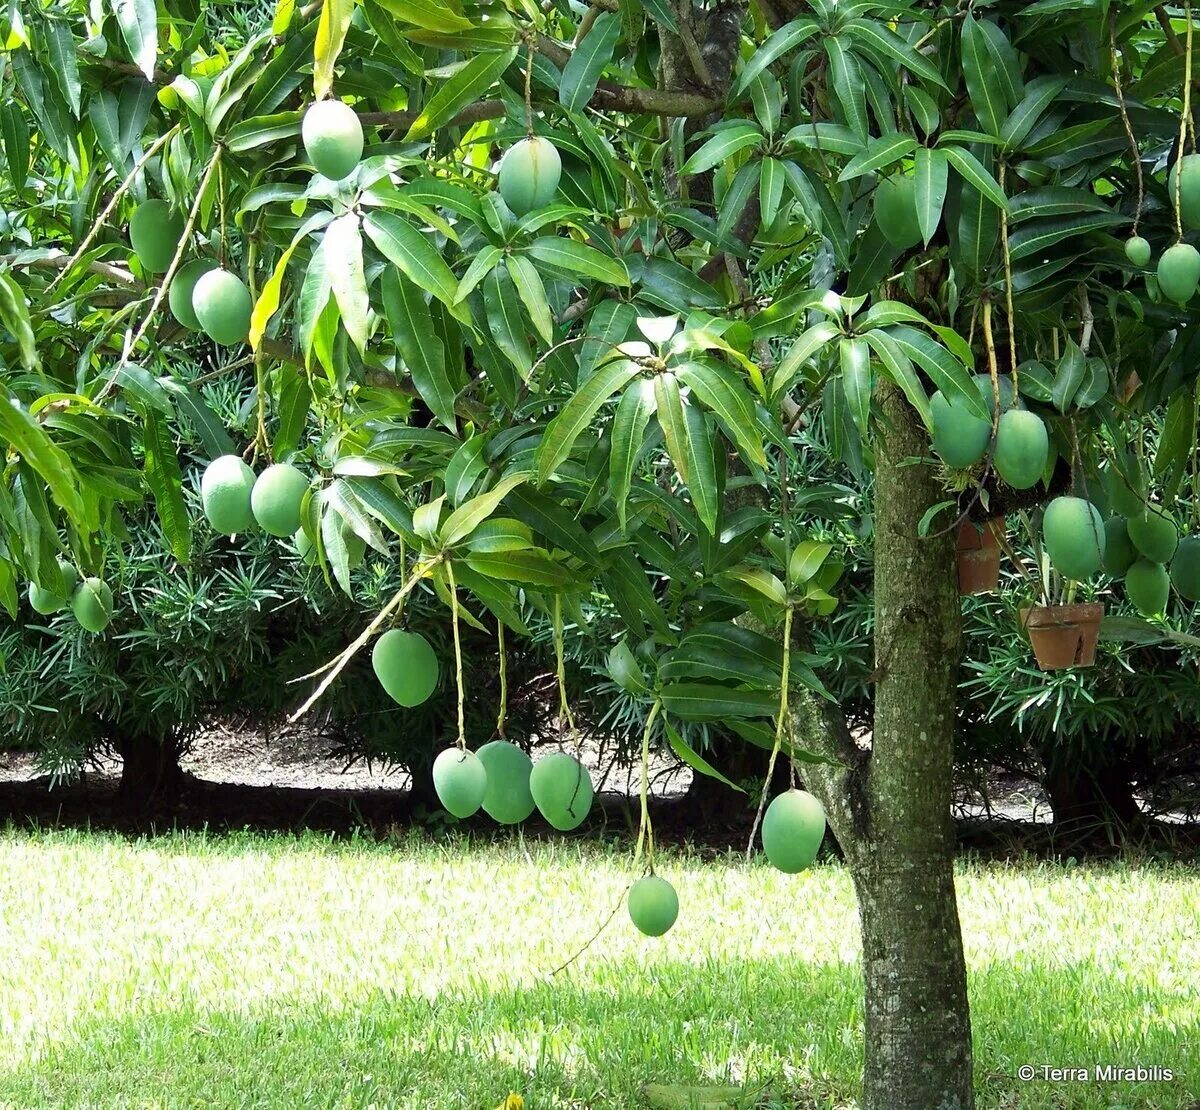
[878, 154]
[138, 20]
[419, 345]
[579, 411]
[628, 431]
[732, 402]
[344, 261]
[582, 71]
[578, 259]
[984, 83]
[695, 701]
[533, 294]
[403, 245]
[785, 39]
[505, 323]
[930, 179]
[694, 759]
[855, 358]
[467, 85]
[165, 480]
[975, 175]
[946, 372]
[722, 146]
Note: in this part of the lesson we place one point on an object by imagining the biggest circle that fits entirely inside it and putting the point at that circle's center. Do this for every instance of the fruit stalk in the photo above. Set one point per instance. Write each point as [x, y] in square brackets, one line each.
[780, 723]
[338, 663]
[458, 671]
[645, 833]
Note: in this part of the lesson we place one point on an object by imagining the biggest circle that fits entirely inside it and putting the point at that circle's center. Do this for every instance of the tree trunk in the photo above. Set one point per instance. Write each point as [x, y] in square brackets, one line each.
[891, 811]
[151, 777]
[1091, 802]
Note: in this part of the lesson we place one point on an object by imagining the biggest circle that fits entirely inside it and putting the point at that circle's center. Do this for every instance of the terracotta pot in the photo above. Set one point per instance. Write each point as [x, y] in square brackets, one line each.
[1063, 636]
[979, 556]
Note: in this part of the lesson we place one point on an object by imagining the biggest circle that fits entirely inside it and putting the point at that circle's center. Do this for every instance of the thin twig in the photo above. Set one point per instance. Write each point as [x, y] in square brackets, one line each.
[161, 295]
[338, 663]
[1134, 150]
[113, 201]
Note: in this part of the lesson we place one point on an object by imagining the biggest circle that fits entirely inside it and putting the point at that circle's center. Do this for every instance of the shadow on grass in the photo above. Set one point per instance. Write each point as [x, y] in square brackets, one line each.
[789, 1032]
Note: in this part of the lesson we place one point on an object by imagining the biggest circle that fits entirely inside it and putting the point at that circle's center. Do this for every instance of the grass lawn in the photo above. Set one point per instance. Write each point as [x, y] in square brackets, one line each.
[285, 972]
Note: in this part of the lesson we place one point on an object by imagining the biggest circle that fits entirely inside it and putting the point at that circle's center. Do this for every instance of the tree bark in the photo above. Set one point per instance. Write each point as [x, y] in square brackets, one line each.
[1091, 803]
[151, 777]
[891, 810]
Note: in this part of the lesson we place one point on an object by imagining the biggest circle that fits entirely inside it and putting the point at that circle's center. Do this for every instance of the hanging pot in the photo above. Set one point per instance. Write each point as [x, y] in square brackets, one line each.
[1063, 636]
[979, 556]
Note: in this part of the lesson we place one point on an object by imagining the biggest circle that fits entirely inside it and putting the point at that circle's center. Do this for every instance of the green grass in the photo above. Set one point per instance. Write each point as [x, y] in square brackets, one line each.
[285, 972]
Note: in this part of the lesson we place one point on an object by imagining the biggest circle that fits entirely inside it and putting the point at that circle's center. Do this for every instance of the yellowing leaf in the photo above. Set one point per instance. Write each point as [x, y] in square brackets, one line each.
[268, 299]
[331, 33]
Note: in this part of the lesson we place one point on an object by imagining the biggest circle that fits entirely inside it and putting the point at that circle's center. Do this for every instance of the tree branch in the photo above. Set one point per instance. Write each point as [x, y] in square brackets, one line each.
[472, 113]
[630, 98]
[60, 260]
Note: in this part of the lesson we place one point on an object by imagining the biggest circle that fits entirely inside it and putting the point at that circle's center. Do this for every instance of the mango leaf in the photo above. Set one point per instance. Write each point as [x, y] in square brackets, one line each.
[262, 130]
[984, 83]
[138, 20]
[579, 411]
[1040, 93]
[722, 146]
[972, 171]
[848, 85]
[60, 46]
[533, 294]
[854, 357]
[628, 432]
[14, 315]
[785, 39]
[533, 567]
[806, 559]
[723, 394]
[504, 320]
[806, 346]
[468, 84]
[464, 520]
[28, 438]
[900, 369]
[403, 245]
[344, 262]
[331, 35]
[466, 466]
[877, 155]
[500, 534]
[762, 582]
[429, 14]
[579, 260]
[268, 300]
[1068, 376]
[419, 344]
[582, 71]
[877, 35]
[166, 483]
[696, 701]
[702, 472]
[930, 180]
[692, 758]
[946, 372]
[625, 671]
[17, 152]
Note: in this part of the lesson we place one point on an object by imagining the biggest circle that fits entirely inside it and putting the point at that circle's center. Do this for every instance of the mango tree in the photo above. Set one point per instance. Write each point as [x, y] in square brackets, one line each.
[569, 288]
